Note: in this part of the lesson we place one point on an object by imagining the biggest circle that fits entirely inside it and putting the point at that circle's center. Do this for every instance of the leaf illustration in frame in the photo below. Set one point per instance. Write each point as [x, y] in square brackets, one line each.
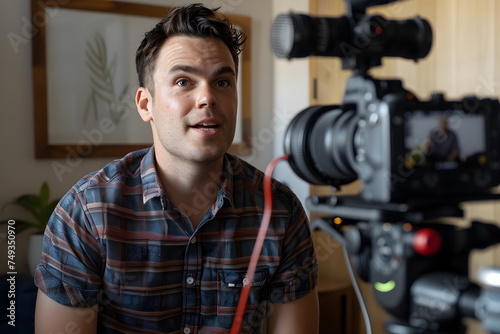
[102, 78]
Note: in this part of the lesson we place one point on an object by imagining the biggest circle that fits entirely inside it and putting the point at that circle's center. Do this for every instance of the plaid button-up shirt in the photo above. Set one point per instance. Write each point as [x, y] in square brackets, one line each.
[116, 240]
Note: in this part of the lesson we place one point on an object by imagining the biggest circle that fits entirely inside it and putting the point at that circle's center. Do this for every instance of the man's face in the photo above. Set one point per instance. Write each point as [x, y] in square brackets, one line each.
[193, 110]
[443, 123]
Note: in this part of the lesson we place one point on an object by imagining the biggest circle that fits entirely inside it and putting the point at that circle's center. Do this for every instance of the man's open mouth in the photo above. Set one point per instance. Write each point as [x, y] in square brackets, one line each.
[206, 126]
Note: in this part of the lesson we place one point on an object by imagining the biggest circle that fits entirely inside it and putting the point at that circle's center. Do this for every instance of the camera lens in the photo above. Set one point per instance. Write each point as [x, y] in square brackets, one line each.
[300, 35]
[365, 42]
[319, 143]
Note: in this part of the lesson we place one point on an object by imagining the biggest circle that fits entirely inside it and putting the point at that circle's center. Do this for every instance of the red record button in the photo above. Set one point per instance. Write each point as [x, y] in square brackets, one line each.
[427, 242]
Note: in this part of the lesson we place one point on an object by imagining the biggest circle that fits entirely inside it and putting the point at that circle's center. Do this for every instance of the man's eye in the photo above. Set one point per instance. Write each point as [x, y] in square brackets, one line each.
[223, 83]
[182, 83]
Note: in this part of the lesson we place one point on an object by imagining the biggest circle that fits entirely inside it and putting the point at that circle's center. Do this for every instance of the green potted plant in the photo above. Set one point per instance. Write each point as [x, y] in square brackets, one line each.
[40, 207]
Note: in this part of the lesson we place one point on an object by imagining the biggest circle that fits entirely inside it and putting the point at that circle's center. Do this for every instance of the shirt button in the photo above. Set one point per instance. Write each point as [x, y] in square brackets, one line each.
[187, 330]
[193, 240]
[245, 281]
[189, 281]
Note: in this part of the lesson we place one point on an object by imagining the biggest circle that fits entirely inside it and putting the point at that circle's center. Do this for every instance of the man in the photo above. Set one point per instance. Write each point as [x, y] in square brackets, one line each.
[159, 241]
[442, 143]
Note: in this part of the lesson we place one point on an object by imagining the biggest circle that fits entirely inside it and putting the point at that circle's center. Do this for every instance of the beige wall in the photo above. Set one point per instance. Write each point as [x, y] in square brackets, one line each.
[291, 94]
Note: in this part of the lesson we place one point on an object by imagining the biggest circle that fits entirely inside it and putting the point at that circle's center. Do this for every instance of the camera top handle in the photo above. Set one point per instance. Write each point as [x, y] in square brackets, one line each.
[361, 41]
[362, 5]
[375, 37]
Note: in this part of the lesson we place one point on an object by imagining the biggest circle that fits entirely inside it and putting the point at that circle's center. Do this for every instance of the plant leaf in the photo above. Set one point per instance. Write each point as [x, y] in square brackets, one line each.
[102, 86]
[111, 70]
[46, 212]
[91, 104]
[22, 225]
[29, 202]
[98, 73]
[92, 53]
[95, 55]
[93, 65]
[44, 194]
[38, 206]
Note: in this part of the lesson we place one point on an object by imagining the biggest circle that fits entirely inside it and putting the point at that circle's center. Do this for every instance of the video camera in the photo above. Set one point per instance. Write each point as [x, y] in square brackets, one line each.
[383, 134]
[417, 160]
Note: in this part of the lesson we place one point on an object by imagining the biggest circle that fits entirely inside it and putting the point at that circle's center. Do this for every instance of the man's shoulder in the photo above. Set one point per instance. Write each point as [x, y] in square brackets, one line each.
[249, 174]
[244, 172]
[126, 169]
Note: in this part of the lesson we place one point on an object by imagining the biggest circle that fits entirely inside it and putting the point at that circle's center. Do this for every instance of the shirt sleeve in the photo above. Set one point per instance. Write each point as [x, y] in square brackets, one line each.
[70, 265]
[297, 274]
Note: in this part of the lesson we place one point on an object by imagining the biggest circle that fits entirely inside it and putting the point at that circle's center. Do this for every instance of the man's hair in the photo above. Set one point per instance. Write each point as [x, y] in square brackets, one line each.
[194, 20]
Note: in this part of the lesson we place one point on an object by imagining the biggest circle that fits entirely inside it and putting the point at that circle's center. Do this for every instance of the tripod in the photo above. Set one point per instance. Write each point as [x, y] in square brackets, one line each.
[418, 271]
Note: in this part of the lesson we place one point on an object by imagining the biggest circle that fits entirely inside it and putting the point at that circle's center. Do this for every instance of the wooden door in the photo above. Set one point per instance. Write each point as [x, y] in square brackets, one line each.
[464, 60]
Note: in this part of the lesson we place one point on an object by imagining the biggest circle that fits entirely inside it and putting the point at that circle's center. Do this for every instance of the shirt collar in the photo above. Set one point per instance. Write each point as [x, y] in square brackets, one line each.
[227, 179]
[151, 184]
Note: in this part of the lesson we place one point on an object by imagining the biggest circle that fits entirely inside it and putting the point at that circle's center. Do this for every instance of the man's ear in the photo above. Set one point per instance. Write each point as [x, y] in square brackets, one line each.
[144, 103]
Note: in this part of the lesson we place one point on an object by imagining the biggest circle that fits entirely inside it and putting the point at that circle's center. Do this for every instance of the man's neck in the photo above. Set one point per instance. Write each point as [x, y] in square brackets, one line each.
[191, 187]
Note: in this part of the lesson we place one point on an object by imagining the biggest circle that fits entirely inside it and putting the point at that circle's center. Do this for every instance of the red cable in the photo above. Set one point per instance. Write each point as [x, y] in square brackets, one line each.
[268, 206]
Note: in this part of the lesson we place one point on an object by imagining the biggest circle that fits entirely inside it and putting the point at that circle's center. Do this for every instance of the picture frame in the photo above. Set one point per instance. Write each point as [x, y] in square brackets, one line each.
[84, 79]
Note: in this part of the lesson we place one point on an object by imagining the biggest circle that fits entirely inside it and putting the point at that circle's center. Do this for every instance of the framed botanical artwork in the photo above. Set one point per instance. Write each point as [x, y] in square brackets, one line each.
[85, 80]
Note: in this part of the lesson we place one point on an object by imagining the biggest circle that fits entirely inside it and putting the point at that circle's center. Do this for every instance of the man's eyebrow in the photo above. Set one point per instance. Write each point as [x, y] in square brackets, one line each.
[197, 71]
[225, 70]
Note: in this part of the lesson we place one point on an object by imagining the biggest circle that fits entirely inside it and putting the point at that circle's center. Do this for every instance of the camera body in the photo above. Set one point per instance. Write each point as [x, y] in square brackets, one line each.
[396, 144]
[395, 156]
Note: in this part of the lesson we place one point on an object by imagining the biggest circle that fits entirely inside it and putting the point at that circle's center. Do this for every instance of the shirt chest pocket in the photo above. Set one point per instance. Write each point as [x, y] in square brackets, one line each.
[230, 284]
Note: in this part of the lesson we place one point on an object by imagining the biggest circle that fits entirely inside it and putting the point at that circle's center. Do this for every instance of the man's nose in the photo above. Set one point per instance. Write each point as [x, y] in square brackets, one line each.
[206, 96]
